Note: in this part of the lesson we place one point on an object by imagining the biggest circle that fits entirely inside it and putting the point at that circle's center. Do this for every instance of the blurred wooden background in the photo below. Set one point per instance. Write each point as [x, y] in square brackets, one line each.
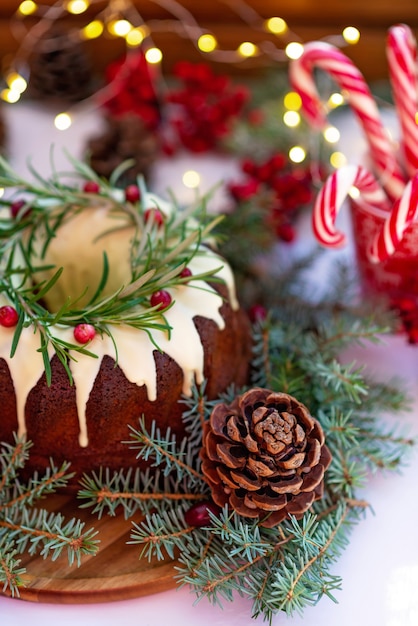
[308, 19]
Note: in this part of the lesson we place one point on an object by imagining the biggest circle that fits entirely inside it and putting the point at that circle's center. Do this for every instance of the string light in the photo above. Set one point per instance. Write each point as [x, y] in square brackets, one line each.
[294, 50]
[331, 134]
[354, 193]
[351, 34]
[154, 55]
[337, 160]
[292, 101]
[76, 7]
[92, 30]
[207, 43]
[119, 28]
[335, 100]
[191, 179]
[27, 7]
[135, 37]
[297, 154]
[10, 96]
[16, 82]
[276, 25]
[247, 49]
[291, 119]
[62, 121]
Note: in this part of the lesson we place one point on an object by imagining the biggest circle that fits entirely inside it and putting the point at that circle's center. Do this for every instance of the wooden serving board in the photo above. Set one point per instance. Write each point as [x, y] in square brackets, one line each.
[115, 573]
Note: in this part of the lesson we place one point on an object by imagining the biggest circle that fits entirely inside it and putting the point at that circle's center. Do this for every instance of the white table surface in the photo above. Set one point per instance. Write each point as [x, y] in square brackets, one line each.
[380, 566]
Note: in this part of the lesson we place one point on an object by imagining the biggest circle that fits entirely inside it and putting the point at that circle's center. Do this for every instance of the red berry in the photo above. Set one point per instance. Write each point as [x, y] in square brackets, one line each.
[90, 186]
[132, 193]
[185, 273]
[198, 514]
[161, 298]
[257, 313]
[8, 316]
[154, 215]
[17, 206]
[83, 333]
[286, 232]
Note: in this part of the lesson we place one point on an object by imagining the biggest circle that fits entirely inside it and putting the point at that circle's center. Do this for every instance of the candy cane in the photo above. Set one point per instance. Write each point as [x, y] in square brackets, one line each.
[350, 79]
[404, 212]
[402, 56]
[331, 198]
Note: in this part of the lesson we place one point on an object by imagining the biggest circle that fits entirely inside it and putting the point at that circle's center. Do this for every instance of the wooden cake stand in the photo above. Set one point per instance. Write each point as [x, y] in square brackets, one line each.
[115, 573]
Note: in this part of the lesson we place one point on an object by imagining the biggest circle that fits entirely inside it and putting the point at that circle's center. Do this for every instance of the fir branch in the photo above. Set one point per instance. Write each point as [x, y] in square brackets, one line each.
[162, 451]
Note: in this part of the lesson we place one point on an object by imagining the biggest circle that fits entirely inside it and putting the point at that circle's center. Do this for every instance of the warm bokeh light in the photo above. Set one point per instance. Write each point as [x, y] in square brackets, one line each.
[10, 96]
[297, 154]
[335, 100]
[294, 50]
[27, 7]
[331, 134]
[62, 121]
[120, 28]
[276, 25]
[154, 55]
[77, 6]
[191, 179]
[292, 101]
[291, 119]
[16, 82]
[92, 30]
[351, 34]
[354, 193]
[247, 49]
[338, 159]
[207, 43]
[135, 37]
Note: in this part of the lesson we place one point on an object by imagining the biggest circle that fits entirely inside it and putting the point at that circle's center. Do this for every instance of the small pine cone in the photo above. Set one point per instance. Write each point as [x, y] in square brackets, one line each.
[264, 456]
[125, 138]
[60, 70]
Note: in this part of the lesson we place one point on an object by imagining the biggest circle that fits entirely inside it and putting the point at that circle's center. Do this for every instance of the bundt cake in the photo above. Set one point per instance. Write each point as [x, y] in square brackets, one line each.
[113, 303]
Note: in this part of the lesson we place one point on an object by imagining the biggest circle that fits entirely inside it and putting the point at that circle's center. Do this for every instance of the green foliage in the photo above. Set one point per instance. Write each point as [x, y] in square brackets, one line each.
[25, 527]
[289, 567]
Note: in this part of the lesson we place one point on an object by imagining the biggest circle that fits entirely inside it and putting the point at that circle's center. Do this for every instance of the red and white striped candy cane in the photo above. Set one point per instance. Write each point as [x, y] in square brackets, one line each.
[404, 212]
[332, 196]
[402, 57]
[330, 59]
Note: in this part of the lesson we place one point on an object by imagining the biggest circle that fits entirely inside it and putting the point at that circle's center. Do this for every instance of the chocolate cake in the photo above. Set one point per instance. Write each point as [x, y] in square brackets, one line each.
[113, 305]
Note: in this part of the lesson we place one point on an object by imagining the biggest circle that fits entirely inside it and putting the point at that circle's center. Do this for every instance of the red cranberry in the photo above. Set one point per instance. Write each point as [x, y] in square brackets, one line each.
[8, 316]
[83, 333]
[286, 232]
[154, 215]
[161, 299]
[185, 273]
[257, 313]
[132, 193]
[17, 206]
[91, 186]
[198, 514]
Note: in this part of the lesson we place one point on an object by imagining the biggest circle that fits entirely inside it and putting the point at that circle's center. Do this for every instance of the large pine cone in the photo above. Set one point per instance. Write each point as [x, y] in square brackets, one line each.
[264, 455]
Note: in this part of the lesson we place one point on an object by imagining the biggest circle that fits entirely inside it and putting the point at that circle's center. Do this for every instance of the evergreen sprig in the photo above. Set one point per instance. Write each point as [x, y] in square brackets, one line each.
[26, 527]
[289, 567]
